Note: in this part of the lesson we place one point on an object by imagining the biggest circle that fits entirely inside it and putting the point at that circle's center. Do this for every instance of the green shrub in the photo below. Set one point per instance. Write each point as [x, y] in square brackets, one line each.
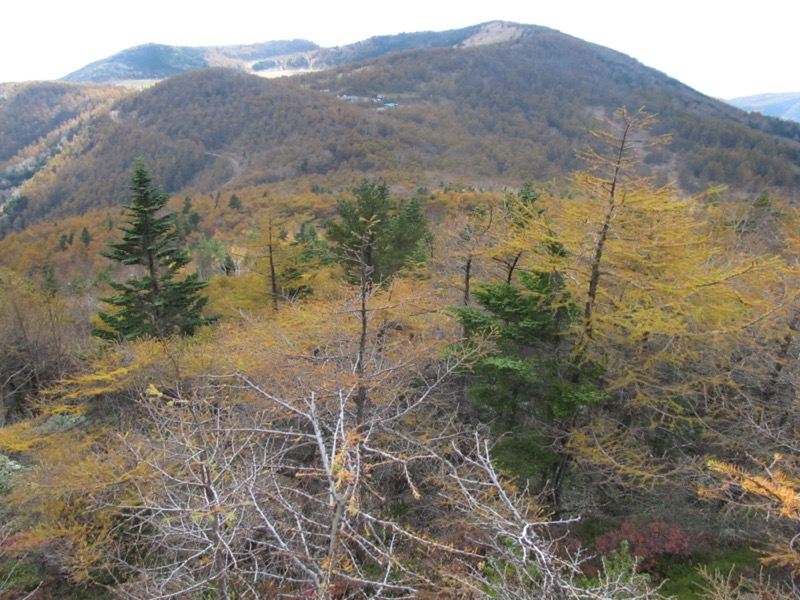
[683, 577]
[8, 468]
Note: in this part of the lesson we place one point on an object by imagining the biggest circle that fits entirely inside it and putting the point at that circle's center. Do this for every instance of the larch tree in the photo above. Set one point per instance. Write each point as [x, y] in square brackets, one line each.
[463, 247]
[288, 266]
[660, 305]
[154, 302]
[644, 261]
[38, 343]
[756, 468]
[666, 303]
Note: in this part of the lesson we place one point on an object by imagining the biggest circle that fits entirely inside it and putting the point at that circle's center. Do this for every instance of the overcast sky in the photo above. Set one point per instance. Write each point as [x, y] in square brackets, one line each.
[718, 47]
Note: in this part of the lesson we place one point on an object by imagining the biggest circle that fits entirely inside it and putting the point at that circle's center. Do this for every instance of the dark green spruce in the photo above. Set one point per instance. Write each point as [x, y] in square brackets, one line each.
[530, 385]
[376, 233]
[154, 302]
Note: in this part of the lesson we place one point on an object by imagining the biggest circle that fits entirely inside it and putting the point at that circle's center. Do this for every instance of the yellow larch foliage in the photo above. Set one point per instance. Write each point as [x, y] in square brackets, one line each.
[779, 493]
[62, 502]
[666, 299]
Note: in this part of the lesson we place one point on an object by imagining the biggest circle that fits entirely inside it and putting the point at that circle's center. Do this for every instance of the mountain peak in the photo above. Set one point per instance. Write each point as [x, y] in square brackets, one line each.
[495, 32]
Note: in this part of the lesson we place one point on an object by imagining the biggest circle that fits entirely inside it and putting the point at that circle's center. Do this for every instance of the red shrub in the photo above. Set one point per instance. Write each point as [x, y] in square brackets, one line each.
[650, 541]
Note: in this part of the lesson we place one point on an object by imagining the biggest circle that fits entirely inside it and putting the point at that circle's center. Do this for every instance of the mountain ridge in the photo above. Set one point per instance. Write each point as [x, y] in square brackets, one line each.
[505, 104]
[780, 105]
[149, 62]
[152, 61]
[145, 64]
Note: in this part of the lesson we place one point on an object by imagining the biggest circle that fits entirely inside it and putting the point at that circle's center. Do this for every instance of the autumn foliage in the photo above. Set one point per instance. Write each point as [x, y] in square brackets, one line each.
[413, 398]
[650, 542]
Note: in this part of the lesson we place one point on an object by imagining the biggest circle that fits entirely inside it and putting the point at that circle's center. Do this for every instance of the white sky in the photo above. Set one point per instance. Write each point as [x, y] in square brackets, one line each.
[719, 47]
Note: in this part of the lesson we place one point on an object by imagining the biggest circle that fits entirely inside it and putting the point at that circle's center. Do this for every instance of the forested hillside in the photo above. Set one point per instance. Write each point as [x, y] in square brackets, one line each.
[527, 104]
[36, 123]
[485, 115]
[455, 321]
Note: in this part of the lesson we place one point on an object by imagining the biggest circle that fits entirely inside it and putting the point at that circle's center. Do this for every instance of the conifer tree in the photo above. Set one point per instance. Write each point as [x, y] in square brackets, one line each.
[152, 302]
[529, 385]
[373, 232]
[86, 237]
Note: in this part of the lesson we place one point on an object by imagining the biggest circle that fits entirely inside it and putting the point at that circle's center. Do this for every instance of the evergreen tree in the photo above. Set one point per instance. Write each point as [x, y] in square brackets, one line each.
[86, 237]
[529, 385]
[372, 231]
[154, 302]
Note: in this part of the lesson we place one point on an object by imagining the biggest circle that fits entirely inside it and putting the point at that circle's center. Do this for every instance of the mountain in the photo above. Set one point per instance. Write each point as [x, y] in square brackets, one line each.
[488, 106]
[158, 61]
[151, 62]
[525, 102]
[783, 106]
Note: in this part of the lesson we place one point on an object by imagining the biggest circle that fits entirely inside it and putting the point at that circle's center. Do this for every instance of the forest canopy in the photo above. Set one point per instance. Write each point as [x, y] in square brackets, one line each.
[550, 393]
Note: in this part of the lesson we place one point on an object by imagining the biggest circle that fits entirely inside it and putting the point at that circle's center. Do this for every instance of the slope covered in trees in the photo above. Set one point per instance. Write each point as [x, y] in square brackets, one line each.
[490, 112]
[37, 122]
[32, 111]
[527, 104]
